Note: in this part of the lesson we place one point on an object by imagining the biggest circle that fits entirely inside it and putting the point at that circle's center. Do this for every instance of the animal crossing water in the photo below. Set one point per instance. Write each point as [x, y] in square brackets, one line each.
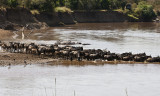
[116, 37]
[89, 80]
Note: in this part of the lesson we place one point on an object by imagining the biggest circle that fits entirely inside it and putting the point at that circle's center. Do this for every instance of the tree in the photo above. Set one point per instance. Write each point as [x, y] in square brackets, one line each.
[48, 6]
[3, 2]
[73, 4]
[145, 11]
[28, 4]
[12, 3]
[123, 4]
[61, 2]
[105, 4]
[115, 4]
[43, 5]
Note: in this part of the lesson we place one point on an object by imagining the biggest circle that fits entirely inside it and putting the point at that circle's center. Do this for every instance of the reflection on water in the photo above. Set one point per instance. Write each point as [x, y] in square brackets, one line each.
[107, 80]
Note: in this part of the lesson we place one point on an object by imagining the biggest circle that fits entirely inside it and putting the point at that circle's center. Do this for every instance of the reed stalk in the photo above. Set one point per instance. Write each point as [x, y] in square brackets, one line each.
[126, 92]
[45, 91]
[74, 93]
[55, 86]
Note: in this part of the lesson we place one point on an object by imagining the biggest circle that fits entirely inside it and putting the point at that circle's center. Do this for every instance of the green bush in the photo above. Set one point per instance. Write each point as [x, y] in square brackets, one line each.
[145, 11]
[12, 3]
[27, 4]
[62, 9]
[132, 16]
[105, 4]
[73, 4]
[43, 5]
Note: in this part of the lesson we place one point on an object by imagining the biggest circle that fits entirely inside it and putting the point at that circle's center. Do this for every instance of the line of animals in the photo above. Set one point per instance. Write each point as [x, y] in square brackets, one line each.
[69, 52]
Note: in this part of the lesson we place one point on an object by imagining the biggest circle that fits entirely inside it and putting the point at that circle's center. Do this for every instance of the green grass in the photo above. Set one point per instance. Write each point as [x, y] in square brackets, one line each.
[2, 9]
[62, 9]
[119, 10]
[132, 16]
[34, 12]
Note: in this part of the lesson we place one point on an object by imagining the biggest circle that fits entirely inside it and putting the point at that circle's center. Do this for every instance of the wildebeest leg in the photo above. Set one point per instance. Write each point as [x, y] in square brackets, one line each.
[42, 55]
[71, 58]
[79, 59]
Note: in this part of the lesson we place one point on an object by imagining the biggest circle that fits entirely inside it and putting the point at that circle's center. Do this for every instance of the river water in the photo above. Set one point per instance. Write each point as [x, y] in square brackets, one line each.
[89, 80]
[107, 80]
[116, 37]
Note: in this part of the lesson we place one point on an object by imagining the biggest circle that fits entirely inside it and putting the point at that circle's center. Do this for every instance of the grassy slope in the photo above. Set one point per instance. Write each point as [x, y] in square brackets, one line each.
[155, 3]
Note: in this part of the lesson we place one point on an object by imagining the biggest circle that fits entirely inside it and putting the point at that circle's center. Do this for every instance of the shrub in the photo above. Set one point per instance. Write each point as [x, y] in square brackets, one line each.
[62, 9]
[105, 4]
[43, 5]
[132, 16]
[73, 4]
[12, 3]
[28, 4]
[34, 12]
[145, 11]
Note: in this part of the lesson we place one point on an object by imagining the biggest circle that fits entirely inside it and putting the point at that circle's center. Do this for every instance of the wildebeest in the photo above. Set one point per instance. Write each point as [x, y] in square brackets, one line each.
[49, 50]
[0, 43]
[127, 56]
[41, 51]
[74, 53]
[32, 49]
[141, 57]
[154, 59]
[16, 47]
[4, 46]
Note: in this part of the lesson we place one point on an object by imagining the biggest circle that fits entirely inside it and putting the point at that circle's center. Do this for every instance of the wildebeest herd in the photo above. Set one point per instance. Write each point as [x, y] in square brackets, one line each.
[69, 52]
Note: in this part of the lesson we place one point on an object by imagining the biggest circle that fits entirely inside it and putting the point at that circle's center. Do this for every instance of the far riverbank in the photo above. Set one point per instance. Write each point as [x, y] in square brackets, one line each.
[14, 19]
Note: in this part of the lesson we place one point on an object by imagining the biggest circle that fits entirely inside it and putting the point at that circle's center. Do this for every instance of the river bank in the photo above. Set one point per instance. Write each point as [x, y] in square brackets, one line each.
[14, 19]
[119, 34]
[10, 59]
[66, 53]
[30, 22]
[5, 34]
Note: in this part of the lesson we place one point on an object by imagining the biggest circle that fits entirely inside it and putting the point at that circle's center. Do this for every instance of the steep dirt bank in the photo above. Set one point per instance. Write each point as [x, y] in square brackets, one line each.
[17, 18]
[55, 19]
[11, 19]
[100, 16]
[83, 17]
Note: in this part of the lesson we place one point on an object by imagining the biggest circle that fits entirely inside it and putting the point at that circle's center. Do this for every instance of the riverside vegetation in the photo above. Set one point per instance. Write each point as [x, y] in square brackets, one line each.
[138, 9]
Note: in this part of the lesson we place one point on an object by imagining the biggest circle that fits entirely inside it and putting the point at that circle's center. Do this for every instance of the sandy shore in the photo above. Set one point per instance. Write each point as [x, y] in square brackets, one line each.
[7, 59]
[20, 59]
[17, 35]
[5, 34]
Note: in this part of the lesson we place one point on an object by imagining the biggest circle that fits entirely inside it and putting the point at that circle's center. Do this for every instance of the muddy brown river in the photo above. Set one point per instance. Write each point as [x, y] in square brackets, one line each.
[107, 80]
[90, 80]
[116, 37]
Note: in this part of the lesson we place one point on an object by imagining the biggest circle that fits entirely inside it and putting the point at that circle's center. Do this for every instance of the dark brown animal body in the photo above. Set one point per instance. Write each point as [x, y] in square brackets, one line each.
[74, 53]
